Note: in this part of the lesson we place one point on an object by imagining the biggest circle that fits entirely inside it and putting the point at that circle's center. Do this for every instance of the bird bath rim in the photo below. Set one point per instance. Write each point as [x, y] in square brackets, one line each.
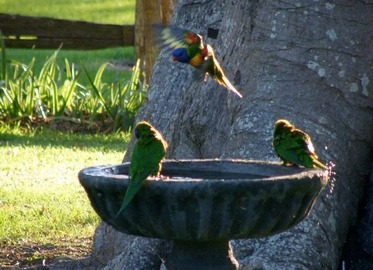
[200, 209]
[120, 171]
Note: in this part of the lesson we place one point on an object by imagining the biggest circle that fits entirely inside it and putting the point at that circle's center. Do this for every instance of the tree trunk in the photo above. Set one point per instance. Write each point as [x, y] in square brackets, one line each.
[305, 61]
[147, 13]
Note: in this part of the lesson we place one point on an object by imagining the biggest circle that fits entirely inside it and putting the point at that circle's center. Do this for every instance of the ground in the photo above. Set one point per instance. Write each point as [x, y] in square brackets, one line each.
[35, 256]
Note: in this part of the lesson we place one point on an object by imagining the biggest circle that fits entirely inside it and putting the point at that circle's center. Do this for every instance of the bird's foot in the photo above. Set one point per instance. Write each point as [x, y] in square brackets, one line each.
[160, 177]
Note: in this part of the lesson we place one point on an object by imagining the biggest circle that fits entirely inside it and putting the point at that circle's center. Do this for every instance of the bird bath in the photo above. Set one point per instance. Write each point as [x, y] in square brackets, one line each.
[205, 203]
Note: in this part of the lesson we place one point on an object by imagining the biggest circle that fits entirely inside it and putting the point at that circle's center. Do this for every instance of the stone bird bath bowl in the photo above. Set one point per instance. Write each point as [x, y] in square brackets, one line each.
[205, 203]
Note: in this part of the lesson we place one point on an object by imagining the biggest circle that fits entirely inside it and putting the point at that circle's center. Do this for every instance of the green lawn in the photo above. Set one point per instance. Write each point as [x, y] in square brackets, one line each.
[41, 199]
[100, 11]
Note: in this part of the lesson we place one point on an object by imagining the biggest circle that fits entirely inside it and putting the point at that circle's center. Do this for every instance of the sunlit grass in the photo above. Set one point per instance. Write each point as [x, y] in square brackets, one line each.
[100, 11]
[41, 199]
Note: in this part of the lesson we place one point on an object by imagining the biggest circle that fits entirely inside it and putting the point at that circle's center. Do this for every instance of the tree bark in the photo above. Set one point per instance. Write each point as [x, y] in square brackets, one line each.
[306, 61]
[148, 13]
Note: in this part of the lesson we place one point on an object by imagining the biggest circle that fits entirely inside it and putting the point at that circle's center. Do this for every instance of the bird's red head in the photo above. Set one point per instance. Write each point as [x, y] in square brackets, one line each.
[191, 38]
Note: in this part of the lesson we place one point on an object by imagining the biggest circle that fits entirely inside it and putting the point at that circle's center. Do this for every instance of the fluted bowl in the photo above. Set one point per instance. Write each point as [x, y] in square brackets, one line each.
[206, 200]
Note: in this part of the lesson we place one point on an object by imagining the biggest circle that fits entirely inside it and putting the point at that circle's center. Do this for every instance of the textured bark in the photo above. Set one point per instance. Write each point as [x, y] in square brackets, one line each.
[148, 13]
[306, 61]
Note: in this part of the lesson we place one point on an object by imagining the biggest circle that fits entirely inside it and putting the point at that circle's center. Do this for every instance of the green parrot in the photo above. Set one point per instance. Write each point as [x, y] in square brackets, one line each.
[188, 48]
[294, 147]
[146, 159]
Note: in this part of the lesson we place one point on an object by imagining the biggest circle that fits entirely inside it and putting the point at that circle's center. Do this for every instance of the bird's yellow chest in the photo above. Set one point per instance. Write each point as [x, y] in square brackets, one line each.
[196, 60]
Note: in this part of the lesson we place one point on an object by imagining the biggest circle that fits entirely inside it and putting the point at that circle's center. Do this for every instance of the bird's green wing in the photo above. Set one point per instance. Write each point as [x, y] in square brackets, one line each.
[174, 37]
[145, 161]
[306, 154]
[287, 147]
[146, 158]
[296, 148]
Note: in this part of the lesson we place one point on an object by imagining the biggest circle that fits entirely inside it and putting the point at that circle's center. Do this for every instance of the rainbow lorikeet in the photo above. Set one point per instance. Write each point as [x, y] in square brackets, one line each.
[188, 47]
[293, 146]
[146, 159]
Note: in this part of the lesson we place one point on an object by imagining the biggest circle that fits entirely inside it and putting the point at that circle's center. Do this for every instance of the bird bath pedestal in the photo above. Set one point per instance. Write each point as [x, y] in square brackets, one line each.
[205, 203]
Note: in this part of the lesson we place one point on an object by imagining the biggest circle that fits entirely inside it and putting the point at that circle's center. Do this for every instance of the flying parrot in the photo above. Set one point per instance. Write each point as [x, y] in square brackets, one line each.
[293, 146]
[146, 159]
[188, 47]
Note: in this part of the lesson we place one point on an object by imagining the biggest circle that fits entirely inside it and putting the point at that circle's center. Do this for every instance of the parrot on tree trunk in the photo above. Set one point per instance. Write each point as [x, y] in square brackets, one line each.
[146, 159]
[293, 146]
[188, 47]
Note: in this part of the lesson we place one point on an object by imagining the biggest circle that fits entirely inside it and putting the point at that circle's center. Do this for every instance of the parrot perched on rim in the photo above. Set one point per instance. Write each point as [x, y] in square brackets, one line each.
[188, 47]
[146, 159]
[294, 147]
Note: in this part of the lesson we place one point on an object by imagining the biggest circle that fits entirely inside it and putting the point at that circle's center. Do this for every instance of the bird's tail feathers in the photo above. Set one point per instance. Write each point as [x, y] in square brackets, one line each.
[319, 164]
[130, 193]
[230, 87]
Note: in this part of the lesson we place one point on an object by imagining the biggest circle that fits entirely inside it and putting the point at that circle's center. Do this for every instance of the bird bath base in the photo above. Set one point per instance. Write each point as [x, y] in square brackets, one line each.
[204, 203]
[211, 255]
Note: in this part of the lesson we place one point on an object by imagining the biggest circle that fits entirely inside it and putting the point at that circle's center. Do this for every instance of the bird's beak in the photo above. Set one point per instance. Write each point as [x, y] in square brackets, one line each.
[174, 58]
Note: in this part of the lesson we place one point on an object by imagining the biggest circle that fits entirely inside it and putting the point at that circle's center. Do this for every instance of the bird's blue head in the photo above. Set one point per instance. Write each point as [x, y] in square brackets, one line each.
[181, 55]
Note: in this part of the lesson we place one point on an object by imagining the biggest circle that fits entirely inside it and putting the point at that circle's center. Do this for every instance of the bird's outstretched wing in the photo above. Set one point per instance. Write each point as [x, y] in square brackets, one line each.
[173, 37]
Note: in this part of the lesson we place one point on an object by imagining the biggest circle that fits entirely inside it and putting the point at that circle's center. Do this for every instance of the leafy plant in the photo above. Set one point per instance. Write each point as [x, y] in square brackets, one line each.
[56, 94]
[120, 101]
[3, 74]
[25, 95]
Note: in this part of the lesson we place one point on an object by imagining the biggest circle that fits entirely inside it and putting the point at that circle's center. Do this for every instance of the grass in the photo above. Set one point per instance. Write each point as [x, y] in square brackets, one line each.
[41, 199]
[99, 11]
